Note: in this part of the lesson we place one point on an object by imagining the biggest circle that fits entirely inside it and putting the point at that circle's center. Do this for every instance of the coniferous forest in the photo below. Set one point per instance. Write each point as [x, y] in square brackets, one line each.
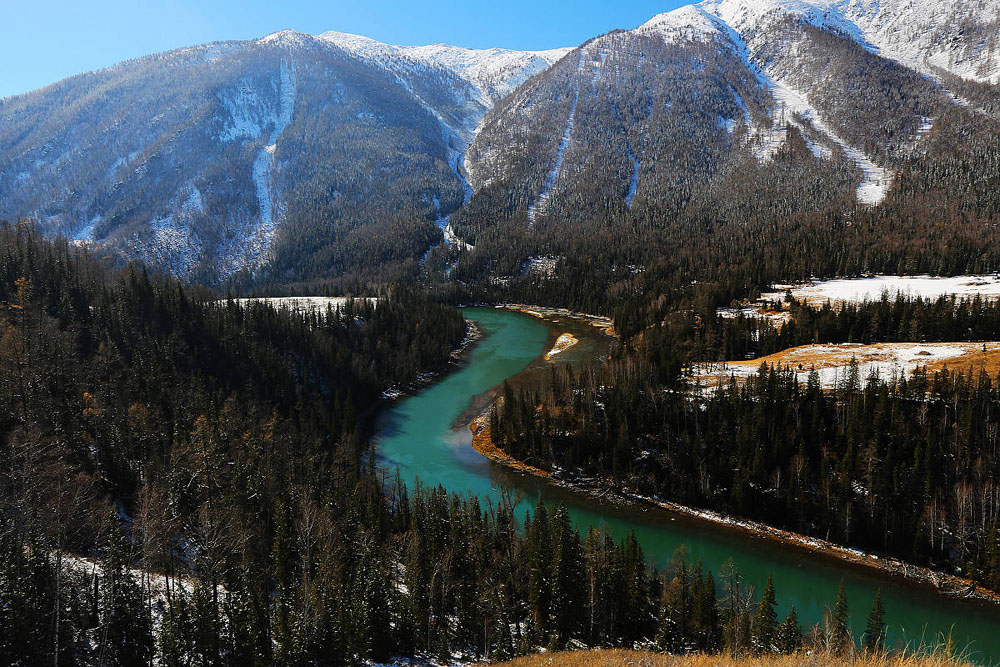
[189, 473]
[211, 508]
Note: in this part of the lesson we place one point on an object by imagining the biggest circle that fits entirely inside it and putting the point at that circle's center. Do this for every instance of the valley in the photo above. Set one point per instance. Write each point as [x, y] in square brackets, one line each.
[682, 338]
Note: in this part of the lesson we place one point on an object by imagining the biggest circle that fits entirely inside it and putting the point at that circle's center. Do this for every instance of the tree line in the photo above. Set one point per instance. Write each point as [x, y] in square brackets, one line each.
[901, 466]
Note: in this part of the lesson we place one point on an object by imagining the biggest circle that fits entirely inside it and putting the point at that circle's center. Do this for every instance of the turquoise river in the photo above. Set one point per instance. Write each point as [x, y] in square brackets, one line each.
[424, 437]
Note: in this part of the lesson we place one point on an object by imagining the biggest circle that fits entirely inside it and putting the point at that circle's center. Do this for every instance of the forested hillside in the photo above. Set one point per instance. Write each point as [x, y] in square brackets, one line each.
[268, 160]
[181, 485]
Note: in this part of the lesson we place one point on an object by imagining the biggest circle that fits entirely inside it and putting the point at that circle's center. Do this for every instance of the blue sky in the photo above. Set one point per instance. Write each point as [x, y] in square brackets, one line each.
[42, 41]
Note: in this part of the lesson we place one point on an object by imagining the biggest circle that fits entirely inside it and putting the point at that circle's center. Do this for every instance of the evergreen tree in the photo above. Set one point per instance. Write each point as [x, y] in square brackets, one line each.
[790, 634]
[839, 637]
[874, 640]
[765, 621]
[707, 612]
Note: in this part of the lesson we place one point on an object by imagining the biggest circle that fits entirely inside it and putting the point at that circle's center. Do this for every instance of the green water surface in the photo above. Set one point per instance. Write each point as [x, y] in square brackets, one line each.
[421, 438]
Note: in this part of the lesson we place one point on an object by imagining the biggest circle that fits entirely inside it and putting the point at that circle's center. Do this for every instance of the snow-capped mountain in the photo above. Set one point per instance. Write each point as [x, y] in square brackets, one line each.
[296, 156]
[224, 159]
[859, 80]
[961, 37]
[493, 73]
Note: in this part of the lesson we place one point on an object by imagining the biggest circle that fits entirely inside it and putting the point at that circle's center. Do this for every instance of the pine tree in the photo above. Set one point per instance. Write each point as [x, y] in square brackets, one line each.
[765, 622]
[539, 546]
[875, 629]
[840, 632]
[567, 576]
[707, 611]
[790, 634]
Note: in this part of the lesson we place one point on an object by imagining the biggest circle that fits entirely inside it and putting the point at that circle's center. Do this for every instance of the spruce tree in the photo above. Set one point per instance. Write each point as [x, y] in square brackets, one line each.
[708, 615]
[765, 622]
[790, 634]
[875, 629]
[840, 632]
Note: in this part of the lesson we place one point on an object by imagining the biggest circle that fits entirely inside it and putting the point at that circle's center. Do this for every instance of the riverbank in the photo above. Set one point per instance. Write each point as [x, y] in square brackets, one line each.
[945, 584]
[426, 378]
[547, 314]
[482, 442]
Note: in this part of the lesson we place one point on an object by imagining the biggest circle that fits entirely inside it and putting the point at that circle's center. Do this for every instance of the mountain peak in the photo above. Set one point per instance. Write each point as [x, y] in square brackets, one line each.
[288, 37]
[690, 22]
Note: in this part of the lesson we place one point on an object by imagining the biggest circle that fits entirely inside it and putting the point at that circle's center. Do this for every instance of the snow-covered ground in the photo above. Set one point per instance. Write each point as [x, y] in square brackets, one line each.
[250, 115]
[688, 23]
[563, 343]
[860, 289]
[833, 362]
[856, 290]
[492, 73]
[305, 304]
[634, 180]
[541, 266]
[921, 34]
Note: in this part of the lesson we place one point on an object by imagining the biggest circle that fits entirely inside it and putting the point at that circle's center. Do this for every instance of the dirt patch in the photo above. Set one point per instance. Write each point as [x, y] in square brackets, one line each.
[482, 442]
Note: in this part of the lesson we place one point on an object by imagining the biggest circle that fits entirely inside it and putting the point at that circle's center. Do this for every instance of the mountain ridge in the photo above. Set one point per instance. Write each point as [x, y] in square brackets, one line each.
[276, 159]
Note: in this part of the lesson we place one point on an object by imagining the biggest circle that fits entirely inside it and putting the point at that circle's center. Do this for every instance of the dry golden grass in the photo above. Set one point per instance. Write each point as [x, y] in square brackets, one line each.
[933, 356]
[626, 658]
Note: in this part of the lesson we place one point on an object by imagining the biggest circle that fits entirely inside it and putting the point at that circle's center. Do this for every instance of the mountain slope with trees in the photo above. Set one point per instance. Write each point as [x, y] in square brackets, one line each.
[266, 160]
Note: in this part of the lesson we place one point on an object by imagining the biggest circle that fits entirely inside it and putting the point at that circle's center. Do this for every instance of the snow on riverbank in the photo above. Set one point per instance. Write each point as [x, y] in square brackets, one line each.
[563, 343]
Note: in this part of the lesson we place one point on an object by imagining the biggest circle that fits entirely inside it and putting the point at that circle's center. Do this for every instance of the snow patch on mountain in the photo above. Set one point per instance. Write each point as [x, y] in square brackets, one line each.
[249, 247]
[286, 38]
[495, 73]
[958, 36]
[248, 113]
[634, 180]
[172, 245]
[538, 206]
[85, 234]
[492, 73]
[688, 23]
[738, 21]
[875, 180]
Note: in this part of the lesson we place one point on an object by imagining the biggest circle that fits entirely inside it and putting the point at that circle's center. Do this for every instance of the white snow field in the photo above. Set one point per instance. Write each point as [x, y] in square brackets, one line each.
[839, 291]
[855, 290]
[304, 304]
